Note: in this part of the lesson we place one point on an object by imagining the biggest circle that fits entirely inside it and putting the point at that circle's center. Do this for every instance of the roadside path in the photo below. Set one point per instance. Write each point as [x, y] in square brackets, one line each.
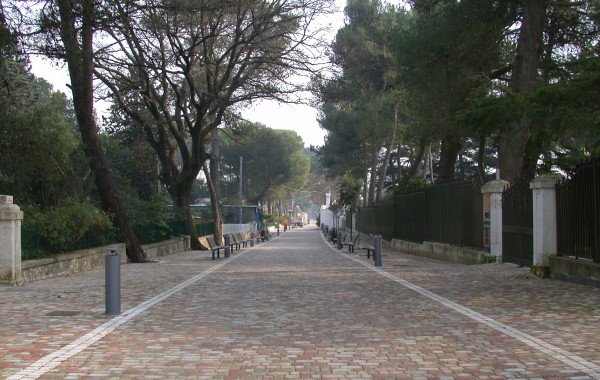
[295, 307]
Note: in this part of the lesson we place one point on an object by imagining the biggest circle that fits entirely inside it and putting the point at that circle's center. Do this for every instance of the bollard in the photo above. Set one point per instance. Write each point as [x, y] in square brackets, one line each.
[227, 239]
[339, 243]
[252, 237]
[112, 282]
[377, 251]
[277, 230]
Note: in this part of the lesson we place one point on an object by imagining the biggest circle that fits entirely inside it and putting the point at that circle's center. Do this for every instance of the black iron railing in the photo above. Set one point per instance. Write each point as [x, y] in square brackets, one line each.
[578, 213]
[447, 213]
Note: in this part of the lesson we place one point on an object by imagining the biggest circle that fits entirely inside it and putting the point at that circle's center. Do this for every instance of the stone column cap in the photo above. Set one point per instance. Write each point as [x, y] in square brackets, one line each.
[6, 199]
[8, 210]
[495, 186]
[546, 181]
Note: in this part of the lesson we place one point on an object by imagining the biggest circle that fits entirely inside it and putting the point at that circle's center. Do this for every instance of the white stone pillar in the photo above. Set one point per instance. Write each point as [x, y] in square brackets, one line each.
[492, 203]
[544, 217]
[10, 241]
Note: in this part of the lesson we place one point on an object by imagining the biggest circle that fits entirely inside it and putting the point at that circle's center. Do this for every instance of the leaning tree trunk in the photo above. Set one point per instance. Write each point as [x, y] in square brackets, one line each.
[513, 140]
[80, 64]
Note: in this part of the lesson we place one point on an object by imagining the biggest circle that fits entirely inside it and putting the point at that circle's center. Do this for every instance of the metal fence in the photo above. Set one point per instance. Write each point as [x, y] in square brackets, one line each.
[449, 213]
[35, 246]
[578, 210]
[517, 223]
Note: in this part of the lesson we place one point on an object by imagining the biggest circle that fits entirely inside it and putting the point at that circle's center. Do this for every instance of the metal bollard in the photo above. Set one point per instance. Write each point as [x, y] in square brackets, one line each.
[252, 237]
[339, 243]
[112, 282]
[277, 230]
[227, 245]
[377, 251]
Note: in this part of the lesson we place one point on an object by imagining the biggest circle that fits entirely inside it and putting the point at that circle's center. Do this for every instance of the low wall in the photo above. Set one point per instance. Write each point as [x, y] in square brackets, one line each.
[575, 270]
[88, 259]
[441, 251]
[433, 250]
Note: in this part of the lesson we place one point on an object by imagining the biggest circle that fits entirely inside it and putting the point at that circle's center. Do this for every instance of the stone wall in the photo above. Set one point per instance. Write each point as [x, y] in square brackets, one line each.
[579, 271]
[93, 258]
[444, 252]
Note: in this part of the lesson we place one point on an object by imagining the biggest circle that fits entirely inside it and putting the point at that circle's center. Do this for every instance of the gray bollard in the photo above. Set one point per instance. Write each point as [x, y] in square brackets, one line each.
[227, 239]
[112, 282]
[377, 252]
[339, 243]
[252, 238]
[277, 230]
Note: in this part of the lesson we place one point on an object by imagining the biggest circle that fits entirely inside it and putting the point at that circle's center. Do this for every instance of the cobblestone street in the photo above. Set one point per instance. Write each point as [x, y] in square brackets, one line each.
[295, 307]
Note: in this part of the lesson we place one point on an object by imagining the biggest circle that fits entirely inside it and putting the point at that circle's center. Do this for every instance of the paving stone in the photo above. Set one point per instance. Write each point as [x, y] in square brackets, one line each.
[295, 308]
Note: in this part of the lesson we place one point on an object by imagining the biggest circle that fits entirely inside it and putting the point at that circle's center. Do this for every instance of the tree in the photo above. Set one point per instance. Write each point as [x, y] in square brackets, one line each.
[443, 60]
[349, 191]
[177, 69]
[360, 121]
[273, 161]
[76, 22]
[513, 139]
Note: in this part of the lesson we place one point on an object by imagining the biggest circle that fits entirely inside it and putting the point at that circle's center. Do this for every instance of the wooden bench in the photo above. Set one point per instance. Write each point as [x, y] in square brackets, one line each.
[369, 249]
[214, 246]
[240, 239]
[343, 238]
[351, 244]
[264, 233]
[233, 243]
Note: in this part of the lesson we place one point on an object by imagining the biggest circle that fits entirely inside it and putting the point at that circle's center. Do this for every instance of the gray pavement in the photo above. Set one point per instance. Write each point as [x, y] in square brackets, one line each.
[295, 307]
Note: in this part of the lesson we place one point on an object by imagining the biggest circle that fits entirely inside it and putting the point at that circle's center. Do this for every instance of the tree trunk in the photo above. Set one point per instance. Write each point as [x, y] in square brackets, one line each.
[414, 166]
[184, 204]
[388, 153]
[430, 164]
[448, 152]
[365, 190]
[215, 206]
[513, 140]
[215, 161]
[480, 160]
[373, 179]
[80, 64]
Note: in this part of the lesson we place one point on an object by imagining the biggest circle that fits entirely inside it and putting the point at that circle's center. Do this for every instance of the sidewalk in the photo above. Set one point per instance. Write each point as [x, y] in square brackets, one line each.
[296, 307]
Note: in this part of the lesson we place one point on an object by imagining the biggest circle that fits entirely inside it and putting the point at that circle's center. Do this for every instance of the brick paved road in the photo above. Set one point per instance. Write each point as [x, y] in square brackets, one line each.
[296, 308]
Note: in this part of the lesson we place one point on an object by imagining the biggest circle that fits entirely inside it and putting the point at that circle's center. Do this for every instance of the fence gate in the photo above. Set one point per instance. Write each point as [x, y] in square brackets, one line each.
[517, 224]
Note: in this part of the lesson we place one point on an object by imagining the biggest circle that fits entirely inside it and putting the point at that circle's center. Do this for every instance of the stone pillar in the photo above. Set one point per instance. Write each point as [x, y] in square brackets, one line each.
[10, 241]
[492, 208]
[544, 217]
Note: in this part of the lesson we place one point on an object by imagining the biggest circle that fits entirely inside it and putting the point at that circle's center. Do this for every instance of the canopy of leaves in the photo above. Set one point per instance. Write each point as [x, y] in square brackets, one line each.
[273, 161]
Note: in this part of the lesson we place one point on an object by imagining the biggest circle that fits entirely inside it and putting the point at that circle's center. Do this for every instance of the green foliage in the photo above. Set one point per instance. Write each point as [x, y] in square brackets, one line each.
[65, 225]
[416, 182]
[273, 161]
[349, 189]
[38, 143]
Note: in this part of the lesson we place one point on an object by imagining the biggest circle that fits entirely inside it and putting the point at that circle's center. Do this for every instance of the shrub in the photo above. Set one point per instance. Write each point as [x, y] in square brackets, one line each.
[65, 225]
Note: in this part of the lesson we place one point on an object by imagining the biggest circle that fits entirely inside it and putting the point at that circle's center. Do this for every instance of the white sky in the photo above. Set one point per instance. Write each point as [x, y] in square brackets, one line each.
[300, 118]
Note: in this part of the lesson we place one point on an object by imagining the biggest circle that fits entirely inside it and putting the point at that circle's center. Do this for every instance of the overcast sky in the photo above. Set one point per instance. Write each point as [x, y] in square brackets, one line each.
[300, 118]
